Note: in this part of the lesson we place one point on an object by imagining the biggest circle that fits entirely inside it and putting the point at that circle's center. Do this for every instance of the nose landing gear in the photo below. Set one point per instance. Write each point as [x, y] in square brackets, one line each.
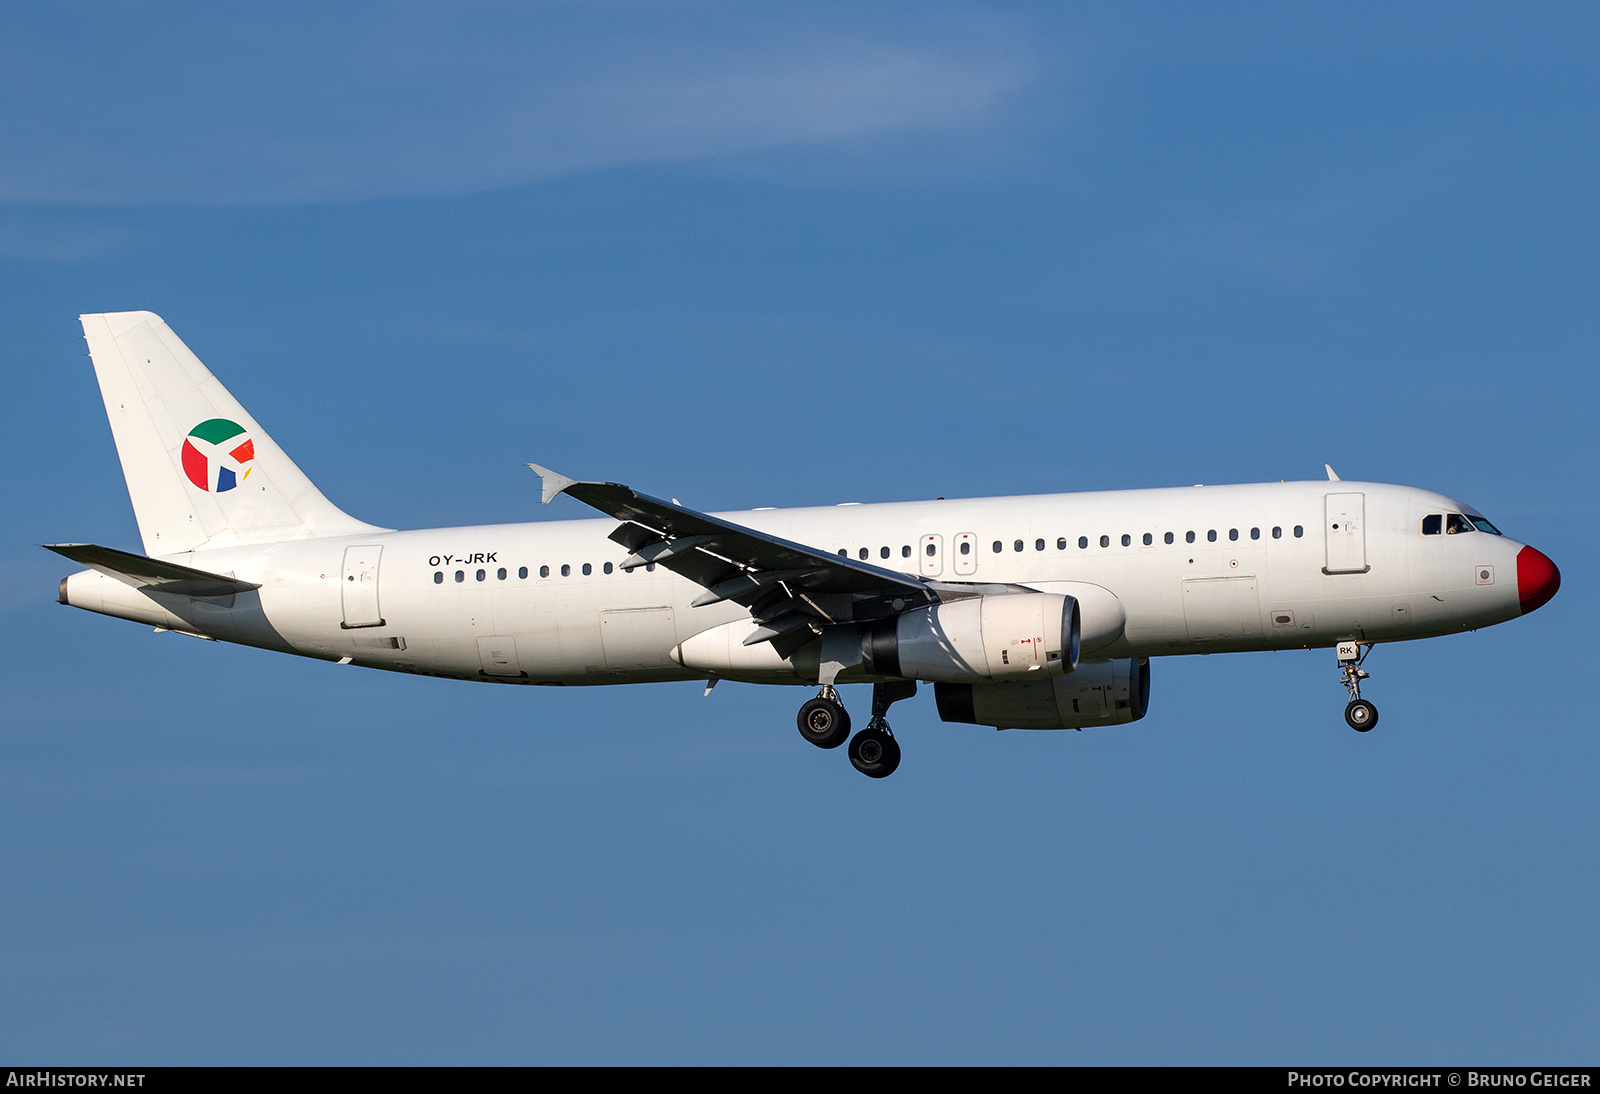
[1359, 715]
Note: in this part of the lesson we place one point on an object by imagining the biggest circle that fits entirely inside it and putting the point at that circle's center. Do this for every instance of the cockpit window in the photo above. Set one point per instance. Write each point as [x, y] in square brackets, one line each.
[1433, 524]
[1455, 524]
[1483, 525]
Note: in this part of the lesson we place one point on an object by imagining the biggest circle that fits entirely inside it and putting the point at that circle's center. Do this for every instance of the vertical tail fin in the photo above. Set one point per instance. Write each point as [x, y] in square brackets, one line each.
[200, 470]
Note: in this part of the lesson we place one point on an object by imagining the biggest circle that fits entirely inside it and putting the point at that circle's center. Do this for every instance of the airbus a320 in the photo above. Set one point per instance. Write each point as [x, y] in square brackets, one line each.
[1039, 612]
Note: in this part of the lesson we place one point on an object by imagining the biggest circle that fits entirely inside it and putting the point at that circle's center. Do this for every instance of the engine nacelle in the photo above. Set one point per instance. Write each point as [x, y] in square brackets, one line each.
[1012, 636]
[1099, 693]
[1101, 615]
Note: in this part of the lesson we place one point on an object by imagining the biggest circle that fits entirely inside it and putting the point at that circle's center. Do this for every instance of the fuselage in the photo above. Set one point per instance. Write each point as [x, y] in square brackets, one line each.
[1159, 572]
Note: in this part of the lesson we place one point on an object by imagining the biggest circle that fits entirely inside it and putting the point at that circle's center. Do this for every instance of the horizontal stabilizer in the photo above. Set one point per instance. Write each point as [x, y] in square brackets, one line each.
[150, 574]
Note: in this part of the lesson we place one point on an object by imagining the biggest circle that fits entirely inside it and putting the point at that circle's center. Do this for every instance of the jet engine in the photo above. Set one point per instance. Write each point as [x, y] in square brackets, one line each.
[1102, 615]
[1012, 636]
[1099, 693]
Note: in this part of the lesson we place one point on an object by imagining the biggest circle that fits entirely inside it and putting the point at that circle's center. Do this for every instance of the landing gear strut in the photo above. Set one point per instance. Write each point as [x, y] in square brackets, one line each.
[1360, 715]
[874, 751]
[823, 721]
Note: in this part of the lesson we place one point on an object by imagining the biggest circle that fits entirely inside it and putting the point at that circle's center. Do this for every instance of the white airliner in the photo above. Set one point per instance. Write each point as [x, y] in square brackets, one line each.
[1024, 612]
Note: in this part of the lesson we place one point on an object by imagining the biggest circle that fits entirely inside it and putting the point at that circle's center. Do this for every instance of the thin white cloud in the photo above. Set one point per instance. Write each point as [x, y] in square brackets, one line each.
[219, 105]
[48, 236]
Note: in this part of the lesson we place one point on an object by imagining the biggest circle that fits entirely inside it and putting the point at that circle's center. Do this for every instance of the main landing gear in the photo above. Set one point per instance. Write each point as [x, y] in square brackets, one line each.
[874, 752]
[824, 721]
[1360, 715]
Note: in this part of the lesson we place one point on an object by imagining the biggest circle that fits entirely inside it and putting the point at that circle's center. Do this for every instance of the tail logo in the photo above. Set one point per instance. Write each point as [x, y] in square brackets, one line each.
[217, 455]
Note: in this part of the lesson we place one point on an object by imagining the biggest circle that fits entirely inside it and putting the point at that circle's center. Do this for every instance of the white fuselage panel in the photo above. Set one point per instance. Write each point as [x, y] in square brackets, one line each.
[1279, 565]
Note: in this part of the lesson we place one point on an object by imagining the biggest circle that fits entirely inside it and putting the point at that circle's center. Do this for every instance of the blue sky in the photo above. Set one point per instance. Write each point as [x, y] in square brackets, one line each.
[785, 255]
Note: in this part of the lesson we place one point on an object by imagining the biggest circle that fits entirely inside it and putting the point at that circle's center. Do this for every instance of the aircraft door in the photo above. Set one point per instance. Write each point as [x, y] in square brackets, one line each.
[966, 548]
[358, 587]
[1222, 608]
[499, 655]
[637, 638]
[930, 553]
[1345, 528]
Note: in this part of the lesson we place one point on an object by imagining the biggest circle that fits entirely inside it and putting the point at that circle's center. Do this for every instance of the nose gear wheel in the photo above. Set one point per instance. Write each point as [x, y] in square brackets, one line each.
[1359, 715]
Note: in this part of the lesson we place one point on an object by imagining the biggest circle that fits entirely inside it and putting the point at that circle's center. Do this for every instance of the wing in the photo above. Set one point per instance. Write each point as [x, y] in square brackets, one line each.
[791, 589]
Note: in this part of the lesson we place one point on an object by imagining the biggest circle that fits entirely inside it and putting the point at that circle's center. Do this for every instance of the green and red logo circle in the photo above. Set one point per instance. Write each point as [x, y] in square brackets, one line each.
[217, 455]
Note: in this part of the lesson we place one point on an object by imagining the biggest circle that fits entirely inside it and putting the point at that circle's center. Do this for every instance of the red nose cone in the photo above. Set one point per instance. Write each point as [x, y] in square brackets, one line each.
[1537, 579]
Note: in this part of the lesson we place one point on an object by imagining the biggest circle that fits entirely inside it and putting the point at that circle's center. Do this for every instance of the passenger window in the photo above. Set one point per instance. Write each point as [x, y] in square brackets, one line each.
[606, 567]
[566, 571]
[1211, 536]
[544, 571]
[500, 574]
[1038, 545]
[1126, 539]
[997, 547]
[1083, 543]
[482, 575]
[1148, 539]
[460, 576]
[1061, 544]
[1255, 533]
[966, 547]
[1188, 537]
[438, 577]
[1277, 533]
[864, 553]
[1233, 533]
[649, 567]
[587, 569]
[1299, 530]
[1169, 537]
[905, 552]
[1105, 541]
[522, 572]
[1017, 546]
[883, 552]
[1433, 524]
